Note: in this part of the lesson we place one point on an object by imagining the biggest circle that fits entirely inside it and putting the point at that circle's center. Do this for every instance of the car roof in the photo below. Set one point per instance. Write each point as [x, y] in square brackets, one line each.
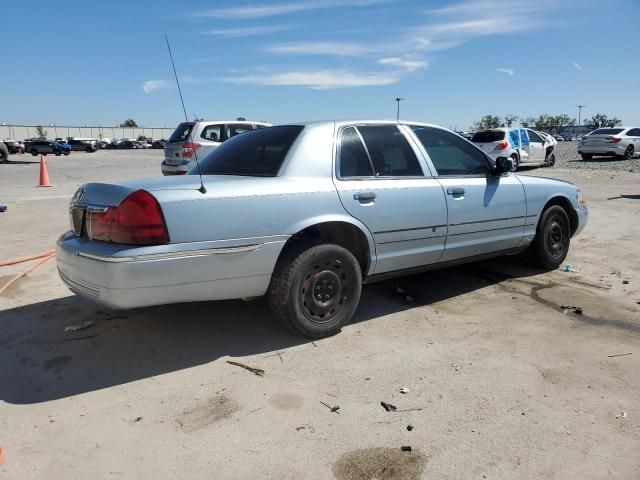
[341, 123]
[241, 122]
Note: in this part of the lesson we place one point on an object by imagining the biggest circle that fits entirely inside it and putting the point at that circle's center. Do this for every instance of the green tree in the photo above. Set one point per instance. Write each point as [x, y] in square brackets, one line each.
[510, 119]
[142, 138]
[488, 121]
[41, 132]
[129, 123]
[601, 120]
[527, 122]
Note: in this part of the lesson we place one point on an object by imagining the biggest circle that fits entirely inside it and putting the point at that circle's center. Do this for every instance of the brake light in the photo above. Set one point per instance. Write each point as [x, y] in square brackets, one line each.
[502, 145]
[138, 220]
[189, 148]
[613, 140]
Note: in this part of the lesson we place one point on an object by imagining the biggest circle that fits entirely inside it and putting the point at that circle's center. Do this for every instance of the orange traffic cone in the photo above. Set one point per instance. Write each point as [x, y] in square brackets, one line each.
[44, 175]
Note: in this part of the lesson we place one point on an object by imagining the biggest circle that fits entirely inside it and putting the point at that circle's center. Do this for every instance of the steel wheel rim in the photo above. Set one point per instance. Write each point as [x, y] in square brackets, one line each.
[555, 237]
[324, 290]
[629, 151]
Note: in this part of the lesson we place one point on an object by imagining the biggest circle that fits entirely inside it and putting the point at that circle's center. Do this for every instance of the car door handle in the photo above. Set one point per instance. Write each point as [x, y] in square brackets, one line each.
[455, 191]
[364, 196]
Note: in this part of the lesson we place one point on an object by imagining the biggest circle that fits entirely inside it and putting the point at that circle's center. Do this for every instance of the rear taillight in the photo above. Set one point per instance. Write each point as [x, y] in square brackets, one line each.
[502, 145]
[138, 220]
[189, 148]
[613, 140]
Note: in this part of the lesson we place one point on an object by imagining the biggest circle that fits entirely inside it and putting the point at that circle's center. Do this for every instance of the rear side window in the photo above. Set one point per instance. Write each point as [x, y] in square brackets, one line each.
[258, 153]
[354, 161]
[213, 133]
[607, 131]
[634, 132]
[181, 133]
[233, 130]
[389, 151]
[450, 154]
[488, 136]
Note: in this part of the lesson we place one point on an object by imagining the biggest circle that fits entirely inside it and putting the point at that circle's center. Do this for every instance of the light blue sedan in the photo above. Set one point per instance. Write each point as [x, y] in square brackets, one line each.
[306, 214]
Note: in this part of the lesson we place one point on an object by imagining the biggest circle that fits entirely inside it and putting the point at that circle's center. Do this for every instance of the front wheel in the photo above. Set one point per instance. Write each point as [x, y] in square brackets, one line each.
[553, 235]
[58, 153]
[66, 152]
[628, 153]
[551, 160]
[315, 289]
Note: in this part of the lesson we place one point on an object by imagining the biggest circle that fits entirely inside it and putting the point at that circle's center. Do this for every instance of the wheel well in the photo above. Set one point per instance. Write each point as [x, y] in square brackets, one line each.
[342, 233]
[568, 207]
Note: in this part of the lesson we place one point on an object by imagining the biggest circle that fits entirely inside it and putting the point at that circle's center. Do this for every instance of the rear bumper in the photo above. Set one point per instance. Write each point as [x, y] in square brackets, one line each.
[160, 276]
[181, 169]
[611, 149]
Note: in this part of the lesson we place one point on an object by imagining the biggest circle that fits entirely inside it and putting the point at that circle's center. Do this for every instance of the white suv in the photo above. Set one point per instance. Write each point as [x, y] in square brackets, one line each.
[199, 138]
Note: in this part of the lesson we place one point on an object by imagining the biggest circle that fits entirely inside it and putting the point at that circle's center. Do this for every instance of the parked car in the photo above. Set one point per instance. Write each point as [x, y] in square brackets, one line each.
[306, 214]
[14, 146]
[141, 145]
[78, 145]
[199, 138]
[618, 141]
[4, 153]
[466, 135]
[42, 147]
[559, 138]
[125, 144]
[549, 145]
[158, 144]
[522, 145]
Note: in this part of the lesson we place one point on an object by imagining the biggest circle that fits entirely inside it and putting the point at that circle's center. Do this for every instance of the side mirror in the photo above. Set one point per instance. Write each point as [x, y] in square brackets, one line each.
[503, 165]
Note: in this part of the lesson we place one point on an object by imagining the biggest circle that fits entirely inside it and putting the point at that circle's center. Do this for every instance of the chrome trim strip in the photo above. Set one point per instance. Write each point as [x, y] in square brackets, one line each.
[171, 256]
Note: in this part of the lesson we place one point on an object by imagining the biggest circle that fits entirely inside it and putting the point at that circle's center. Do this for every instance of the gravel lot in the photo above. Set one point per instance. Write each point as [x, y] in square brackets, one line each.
[502, 382]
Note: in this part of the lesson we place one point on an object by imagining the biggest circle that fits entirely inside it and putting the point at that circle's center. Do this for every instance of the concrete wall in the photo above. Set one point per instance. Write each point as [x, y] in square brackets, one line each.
[21, 132]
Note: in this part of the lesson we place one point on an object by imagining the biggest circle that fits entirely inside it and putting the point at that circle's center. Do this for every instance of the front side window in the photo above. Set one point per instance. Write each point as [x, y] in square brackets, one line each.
[450, 154]
[233, 130]
[258, 153]
[213, 133]
[534, 137]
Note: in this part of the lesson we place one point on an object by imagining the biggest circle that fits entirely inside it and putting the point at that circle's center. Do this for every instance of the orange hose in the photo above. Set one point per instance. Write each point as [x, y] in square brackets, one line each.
[4, 287]
[26, 259]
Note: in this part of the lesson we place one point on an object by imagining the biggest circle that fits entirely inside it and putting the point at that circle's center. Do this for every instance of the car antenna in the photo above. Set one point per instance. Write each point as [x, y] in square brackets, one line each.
[201, 189]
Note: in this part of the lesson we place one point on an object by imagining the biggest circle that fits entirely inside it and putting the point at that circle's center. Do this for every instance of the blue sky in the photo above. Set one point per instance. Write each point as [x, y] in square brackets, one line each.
[77, 62]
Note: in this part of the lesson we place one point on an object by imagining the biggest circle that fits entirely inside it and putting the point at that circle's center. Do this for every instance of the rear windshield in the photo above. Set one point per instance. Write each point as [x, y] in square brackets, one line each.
[607, 131]
[485, 137]
[258, 153]
[181, 133]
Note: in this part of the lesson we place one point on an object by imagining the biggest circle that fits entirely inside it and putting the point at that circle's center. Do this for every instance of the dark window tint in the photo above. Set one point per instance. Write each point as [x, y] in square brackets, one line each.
[233, 130]
[213, 133]
[259, 153]
[534, 137]
[607, 131]
[390, 152]
[354, 161]
[450, 154]
[488, 136]
[181, 133]
[634, 132]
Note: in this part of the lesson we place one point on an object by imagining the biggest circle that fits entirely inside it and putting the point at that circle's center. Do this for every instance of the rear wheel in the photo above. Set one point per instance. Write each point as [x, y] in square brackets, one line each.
[587, 156]
[58, 153]
[4, 153]
[315, 289]
[516, 162]
[553, 236]
[34, 152]
[628, 153]
[88, 150]
[66, 152]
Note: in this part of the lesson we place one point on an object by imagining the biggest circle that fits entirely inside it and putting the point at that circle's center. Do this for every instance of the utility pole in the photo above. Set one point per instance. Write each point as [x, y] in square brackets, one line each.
[398, 100]
[580, 107]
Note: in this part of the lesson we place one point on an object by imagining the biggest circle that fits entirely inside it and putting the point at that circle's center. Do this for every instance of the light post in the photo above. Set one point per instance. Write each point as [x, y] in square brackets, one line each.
[398, 100]
[580, 107]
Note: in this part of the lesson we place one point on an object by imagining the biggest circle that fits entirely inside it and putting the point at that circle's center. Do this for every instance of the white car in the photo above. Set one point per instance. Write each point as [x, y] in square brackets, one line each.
[617, 141]
[191, 139]
[524, 146]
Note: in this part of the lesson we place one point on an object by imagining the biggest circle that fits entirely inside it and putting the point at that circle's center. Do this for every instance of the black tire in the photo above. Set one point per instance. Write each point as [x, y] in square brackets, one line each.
[587, 156]
[551, 160]
[58, 153]
[4, 153]
[66, 152]
[34, 152]
[306, 270]
[628, 152]
[88, 150]
[553, 237]
[516, 161]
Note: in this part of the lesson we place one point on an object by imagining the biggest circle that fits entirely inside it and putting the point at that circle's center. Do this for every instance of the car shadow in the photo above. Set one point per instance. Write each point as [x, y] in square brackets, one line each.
[628, 197]
[21, 162]
[42, 362]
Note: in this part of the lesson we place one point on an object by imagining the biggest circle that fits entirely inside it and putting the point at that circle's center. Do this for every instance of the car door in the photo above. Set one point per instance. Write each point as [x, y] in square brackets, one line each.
[382, 183]
[537, 152]
[486, 212]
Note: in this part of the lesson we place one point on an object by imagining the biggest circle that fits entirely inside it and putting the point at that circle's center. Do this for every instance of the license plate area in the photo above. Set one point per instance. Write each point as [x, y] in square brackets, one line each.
[77, 220]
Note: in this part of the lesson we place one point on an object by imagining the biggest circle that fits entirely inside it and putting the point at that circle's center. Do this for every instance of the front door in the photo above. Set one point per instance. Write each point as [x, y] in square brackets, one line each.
[382, 183]
[486, 213]
[537, 152]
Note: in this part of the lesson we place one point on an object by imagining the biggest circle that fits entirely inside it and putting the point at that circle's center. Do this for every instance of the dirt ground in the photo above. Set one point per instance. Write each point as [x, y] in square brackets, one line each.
[502, 382]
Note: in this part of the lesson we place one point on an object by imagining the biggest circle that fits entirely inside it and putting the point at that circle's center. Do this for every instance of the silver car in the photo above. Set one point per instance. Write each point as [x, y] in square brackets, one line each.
[306, 214]
[617, 141]
[196, 139]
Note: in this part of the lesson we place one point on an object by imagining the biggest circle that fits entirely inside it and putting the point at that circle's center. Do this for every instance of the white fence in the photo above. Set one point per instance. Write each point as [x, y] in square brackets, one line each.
[21, 132]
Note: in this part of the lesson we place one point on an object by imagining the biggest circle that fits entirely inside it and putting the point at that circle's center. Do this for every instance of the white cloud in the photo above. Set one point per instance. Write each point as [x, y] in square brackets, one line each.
[577, 65]
[246, 31]
[508, 71]
[406, 63]
[153, 85]
[319, 48]
[265, 10]
[319, 80]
